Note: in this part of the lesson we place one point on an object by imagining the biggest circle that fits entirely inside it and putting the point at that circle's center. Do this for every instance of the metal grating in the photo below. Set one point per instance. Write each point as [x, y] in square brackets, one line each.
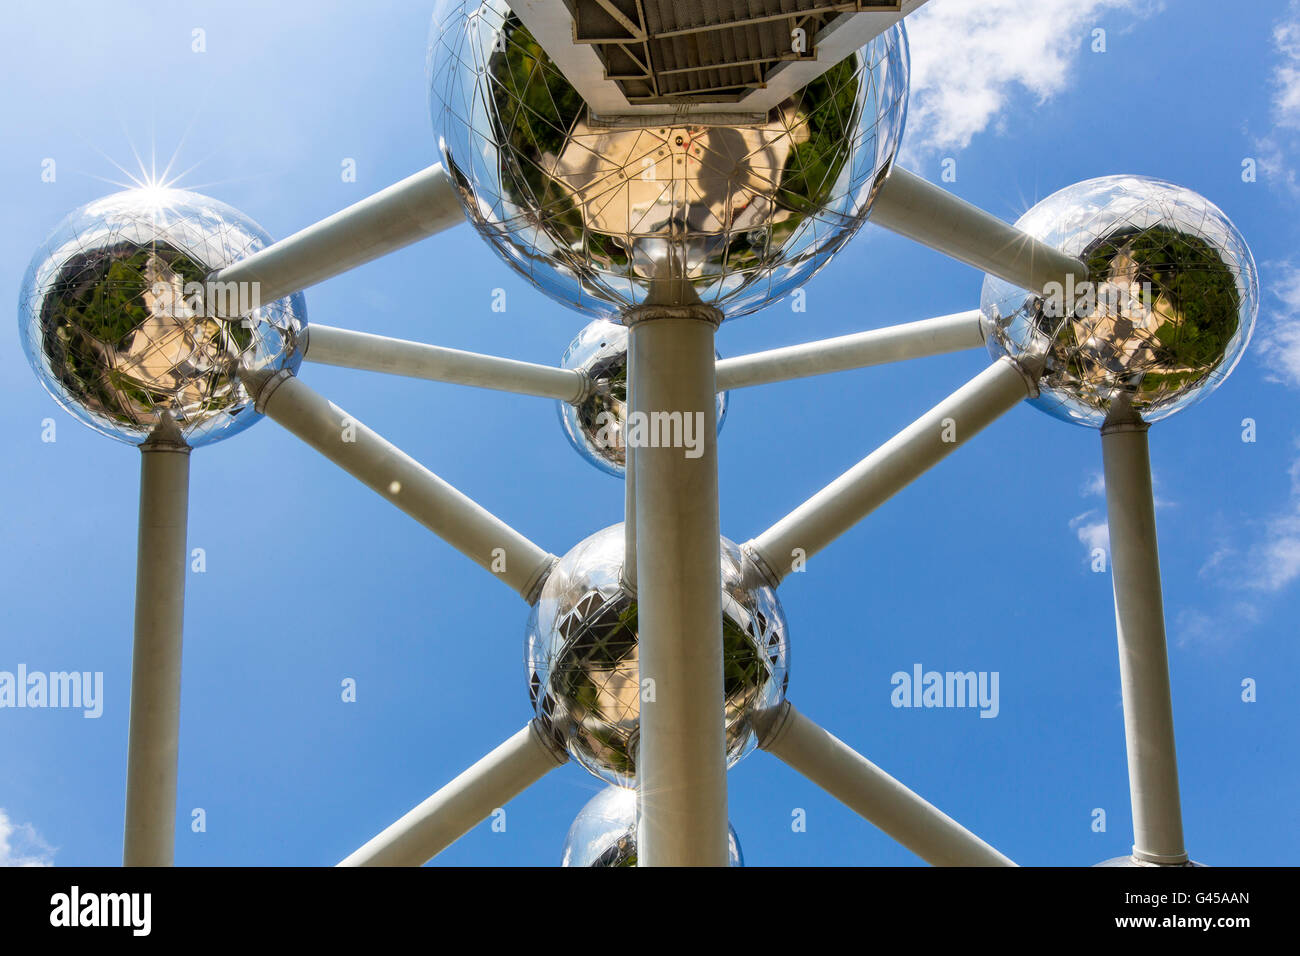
[709, 51]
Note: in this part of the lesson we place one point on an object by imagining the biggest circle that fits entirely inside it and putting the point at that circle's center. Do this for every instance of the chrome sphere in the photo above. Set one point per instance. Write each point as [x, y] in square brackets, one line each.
[595, 426]
[583, 675]
[593, 215]
[1164, 316]
[112, 316]
[604, 833]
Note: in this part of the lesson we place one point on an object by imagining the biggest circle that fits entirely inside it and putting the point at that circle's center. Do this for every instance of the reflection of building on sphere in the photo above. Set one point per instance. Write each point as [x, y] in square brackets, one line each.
[584, 679]
[591, 213]
[604, 833]
[1164, 316]
[596, 425]
[113, 316]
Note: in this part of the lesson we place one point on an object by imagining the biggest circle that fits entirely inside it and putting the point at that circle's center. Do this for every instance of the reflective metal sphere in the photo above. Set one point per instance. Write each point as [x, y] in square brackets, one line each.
[1166, 313]
[595, 426]
[604, 833]
[592, 214]
[112, 316]
[583, 675]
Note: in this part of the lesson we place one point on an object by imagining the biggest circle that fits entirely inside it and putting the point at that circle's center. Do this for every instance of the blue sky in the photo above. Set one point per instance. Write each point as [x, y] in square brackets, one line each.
[982, 565]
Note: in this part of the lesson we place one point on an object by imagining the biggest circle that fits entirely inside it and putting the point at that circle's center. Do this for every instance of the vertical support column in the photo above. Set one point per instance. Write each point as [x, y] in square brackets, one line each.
[681, 756]
[1143, 658]
[154, 733]
[629, 479]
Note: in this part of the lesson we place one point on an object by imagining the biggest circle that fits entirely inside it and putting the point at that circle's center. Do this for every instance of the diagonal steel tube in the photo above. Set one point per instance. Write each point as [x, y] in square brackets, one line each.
[450, 813]
[932, 216]
[890, 468]
[867, 790]
[405, 212]
[325, 345]
[390, 472]
[949, 333]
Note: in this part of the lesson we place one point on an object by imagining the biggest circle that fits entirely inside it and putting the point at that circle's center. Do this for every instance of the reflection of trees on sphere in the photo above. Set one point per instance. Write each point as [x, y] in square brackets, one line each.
[594, 213]
[584, 676]
[1164, 314]
[124, 327]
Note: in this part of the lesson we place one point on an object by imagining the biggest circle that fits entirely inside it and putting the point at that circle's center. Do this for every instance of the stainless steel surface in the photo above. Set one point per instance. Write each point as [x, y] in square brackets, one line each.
[596, 426]
[593, 214]
[116, 316]
[583, 659]
[604, 833]
[1164, 315]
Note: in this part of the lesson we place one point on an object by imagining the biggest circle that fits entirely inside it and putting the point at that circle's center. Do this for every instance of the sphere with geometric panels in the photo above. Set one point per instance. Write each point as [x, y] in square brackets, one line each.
[597, 214]
[603, 834]
[123, 328]
[596, 426]
[660, 167]
[583, 673]
[1163, 317]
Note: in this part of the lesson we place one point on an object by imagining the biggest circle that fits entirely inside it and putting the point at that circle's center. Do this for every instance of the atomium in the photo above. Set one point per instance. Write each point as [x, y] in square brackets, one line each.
[113, 319]
[581, 648]
[1163, 317]
[696, 215]
[597, 214]
[596, 426]
[604, 833]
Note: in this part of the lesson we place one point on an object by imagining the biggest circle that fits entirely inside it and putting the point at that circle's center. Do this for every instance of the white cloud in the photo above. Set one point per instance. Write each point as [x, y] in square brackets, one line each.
[969, 57]
[1280, 342]
[1192, 627]
[1286, 77]
[1268, 564]
[1279, 557]
[1276, 559]
[1275, 149]
[1218, 559]
[1260, 559]
[21, 846]
[1091, 527]
[1093, 532]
